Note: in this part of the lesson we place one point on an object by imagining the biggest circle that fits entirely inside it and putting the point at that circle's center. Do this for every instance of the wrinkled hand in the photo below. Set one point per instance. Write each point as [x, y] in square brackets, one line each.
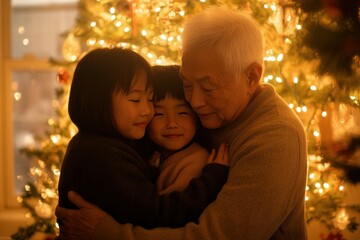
[78, 224]
[222, 156]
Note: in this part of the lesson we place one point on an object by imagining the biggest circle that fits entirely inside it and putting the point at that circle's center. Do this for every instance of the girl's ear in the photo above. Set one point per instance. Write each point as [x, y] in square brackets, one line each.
[254, 73]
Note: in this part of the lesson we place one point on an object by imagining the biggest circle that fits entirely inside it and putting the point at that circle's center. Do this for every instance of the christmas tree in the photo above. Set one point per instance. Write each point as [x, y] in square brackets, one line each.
[307, 69]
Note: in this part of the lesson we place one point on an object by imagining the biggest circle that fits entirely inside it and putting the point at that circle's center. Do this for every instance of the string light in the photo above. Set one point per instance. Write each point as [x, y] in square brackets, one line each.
[55, 138]
[26, 41]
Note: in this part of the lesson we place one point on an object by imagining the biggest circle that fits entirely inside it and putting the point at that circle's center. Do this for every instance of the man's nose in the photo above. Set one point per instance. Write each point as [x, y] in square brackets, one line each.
[197, 98]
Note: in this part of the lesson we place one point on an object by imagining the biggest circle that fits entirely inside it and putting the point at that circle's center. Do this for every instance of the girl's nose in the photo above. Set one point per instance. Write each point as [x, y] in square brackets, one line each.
[171, 122]
[147, 109]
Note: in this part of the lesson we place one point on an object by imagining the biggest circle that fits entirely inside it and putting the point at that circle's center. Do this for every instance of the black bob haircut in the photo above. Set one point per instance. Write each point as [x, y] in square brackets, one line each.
[167, 81]
[98, 75]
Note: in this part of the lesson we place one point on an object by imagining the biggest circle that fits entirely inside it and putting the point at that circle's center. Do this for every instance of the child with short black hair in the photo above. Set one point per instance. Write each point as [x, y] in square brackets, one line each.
[173, 130]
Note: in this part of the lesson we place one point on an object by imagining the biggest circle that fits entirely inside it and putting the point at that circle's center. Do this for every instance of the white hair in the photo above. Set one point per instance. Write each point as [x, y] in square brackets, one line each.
[233, 35]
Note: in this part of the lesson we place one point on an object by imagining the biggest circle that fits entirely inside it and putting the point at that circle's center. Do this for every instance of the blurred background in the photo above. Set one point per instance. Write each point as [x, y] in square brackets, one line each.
[312, 58]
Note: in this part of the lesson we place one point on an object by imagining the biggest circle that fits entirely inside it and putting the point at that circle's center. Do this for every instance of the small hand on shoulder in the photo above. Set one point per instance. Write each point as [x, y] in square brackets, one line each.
[221, 156]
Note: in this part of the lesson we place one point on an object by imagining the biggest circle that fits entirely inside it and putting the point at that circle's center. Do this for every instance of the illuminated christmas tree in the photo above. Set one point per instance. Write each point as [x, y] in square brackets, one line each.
[316, 80]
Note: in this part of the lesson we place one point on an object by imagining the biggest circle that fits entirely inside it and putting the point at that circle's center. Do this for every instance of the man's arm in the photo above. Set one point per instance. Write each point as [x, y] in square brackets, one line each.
[263, 198]
[264, 193]
[90, 222]
[82, 221]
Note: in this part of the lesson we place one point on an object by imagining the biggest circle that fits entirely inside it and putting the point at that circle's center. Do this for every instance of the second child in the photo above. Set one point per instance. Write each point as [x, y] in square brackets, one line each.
[173, 130]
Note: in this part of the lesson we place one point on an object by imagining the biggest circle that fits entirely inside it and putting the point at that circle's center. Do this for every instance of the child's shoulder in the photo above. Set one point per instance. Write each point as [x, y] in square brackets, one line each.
[94, 142]
[200, 150]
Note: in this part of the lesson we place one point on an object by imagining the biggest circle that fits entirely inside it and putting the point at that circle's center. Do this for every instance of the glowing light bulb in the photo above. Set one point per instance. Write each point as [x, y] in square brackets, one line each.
[21, 30]
[313, 88]
[26, 41]
[17, 96]
[273, 7]
[55, 138]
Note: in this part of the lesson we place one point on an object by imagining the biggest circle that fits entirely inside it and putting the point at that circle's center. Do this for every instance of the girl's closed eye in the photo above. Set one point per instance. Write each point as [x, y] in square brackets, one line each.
[158, 114]
[133, 97]
[184, 113]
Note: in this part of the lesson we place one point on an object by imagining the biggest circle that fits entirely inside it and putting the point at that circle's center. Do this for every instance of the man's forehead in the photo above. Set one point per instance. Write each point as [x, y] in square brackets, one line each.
[189, 71]
[203, 78]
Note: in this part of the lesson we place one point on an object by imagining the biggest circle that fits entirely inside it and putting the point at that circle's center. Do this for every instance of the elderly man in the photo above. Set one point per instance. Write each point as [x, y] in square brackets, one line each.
[222, 64]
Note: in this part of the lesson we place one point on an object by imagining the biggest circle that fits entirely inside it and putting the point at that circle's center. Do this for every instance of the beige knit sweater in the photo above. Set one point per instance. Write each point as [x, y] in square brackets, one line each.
[265, 193]
[177, 170]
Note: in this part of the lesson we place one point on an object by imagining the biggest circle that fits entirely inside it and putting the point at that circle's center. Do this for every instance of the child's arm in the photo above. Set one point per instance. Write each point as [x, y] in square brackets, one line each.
[177, 175]
[201, 191]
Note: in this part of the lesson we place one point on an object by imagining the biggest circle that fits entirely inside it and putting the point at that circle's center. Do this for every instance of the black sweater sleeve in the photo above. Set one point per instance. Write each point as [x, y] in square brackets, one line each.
[182, 207]
[116, 179]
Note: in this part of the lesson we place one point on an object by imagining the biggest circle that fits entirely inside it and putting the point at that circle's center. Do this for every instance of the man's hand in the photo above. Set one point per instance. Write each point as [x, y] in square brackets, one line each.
[78, 224]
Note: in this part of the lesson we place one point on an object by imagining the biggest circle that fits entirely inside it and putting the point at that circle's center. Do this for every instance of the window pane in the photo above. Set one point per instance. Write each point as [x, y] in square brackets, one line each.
[37, 29]
[33, 94]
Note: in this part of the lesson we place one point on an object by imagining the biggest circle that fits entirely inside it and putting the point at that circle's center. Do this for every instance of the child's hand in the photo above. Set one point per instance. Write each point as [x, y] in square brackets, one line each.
[222, 157]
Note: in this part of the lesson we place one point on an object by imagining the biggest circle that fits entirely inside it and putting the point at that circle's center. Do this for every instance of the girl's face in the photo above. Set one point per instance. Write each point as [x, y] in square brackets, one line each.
[173, 125]
[133, 111]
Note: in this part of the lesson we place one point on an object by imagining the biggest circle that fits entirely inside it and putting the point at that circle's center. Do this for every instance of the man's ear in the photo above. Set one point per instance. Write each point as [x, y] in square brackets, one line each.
[254, 73]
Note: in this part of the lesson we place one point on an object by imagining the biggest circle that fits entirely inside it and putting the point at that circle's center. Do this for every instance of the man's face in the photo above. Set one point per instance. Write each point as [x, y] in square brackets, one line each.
[217, 97]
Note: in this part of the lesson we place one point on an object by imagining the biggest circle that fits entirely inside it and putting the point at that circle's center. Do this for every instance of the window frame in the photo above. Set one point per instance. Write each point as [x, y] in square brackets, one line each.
[10, 218]
[12, 214]
[11, 209]
[11, 65]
